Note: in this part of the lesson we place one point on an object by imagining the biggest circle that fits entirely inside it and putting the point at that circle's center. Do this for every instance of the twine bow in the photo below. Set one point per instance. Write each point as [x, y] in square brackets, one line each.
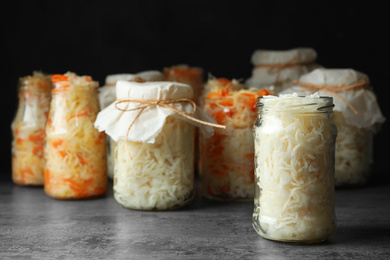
[333, 89]
[164, 103]
[276, 68]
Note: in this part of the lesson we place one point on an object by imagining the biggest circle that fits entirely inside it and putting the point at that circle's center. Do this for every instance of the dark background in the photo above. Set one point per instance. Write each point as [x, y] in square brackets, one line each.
[98, 38]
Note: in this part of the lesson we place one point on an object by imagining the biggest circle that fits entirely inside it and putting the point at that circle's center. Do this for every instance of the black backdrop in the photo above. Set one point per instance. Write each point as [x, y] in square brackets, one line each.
[97, 38]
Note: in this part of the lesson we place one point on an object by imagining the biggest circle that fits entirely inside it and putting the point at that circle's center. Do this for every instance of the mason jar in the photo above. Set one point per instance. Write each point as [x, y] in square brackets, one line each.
[153, 125]
[28, 129]
[75, 152]
[107, 97]
[354, 153]
[295, 168]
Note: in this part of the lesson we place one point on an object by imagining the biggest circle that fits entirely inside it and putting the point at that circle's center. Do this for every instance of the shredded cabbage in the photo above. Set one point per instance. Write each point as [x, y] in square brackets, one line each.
[75, 151]
[28, 129]
[294, 175]
[158, 176]
[228, 156]
[353, 153]
[107, 95]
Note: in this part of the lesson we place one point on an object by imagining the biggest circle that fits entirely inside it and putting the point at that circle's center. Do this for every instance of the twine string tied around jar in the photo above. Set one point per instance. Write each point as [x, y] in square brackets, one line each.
[164, 103]
[334, 89]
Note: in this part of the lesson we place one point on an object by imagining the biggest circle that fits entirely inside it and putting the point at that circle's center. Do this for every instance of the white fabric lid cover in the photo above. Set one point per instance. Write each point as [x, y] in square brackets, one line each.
[362, 99]
[263, 56]
[151, 121]
[149, 75]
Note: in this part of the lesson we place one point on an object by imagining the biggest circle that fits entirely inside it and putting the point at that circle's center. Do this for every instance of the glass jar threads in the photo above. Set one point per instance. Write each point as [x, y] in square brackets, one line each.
[75, 152]
[294, 173]
[28, 129]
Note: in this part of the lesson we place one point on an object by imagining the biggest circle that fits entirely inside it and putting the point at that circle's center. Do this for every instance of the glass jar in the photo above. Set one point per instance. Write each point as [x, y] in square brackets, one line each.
[273, 68]
[192, 76]
[28, 129]
[75, 152]
[294, 168]
[154, 155]
[228, 156]
[107, 97]
[357, 116]
[354, 153]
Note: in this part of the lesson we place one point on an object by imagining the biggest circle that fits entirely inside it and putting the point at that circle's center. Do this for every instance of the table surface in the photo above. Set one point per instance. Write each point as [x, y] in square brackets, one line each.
[35, 226]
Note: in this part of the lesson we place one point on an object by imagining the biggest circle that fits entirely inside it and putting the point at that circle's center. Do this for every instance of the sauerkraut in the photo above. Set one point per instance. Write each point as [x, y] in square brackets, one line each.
[294, 175]
[353, 153]
[357, 115]
[160, 175]
[75, 151]
[107, 96]
[227, 158]
[28, 129]
[192, 76]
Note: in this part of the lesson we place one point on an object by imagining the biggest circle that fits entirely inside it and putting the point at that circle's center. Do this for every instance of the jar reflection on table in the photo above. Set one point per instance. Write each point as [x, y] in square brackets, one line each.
[294, 173]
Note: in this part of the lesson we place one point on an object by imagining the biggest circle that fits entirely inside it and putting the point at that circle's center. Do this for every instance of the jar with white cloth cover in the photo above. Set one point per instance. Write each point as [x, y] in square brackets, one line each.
[153, 126]
[272, 68]
[294, 168]
[107, 95]
[357, 115]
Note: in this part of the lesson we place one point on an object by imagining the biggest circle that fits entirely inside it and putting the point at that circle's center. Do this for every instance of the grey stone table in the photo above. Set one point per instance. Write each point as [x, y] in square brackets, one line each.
[34, 226]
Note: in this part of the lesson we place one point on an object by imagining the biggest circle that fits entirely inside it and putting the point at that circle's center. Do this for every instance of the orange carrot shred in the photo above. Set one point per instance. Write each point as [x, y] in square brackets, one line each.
[19, 141]
[82, 160]
[79, 115]
[58, 78]
[224, 81]
[37, 149]
[35, 138]
[57, 143]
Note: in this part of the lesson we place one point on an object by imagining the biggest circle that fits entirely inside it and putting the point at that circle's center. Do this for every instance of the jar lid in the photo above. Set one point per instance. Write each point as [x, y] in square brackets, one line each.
[149, 75]
[148, 123]
[263, 56]
[351, 92]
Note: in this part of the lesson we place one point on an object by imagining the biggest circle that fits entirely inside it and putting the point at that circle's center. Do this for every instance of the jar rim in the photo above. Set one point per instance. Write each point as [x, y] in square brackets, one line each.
[305, 103]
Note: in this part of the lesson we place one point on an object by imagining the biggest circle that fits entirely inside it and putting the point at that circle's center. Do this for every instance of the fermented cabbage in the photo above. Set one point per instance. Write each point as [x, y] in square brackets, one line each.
[75, 151]
[294, 175]
[28, 129]
[192, 76]
[160, 175]
[227, 158]
[107, 96]
[353, 153]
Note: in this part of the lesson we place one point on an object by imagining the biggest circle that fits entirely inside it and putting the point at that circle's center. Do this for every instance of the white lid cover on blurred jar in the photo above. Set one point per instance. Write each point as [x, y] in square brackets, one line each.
[362, 99]
[263, 76]
[107, 92]
[149, 75]
[150, 122]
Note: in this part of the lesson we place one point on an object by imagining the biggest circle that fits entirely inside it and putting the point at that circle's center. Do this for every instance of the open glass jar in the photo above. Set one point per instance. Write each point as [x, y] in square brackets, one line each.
[28, 129]
[295, 168]
[75, 152]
